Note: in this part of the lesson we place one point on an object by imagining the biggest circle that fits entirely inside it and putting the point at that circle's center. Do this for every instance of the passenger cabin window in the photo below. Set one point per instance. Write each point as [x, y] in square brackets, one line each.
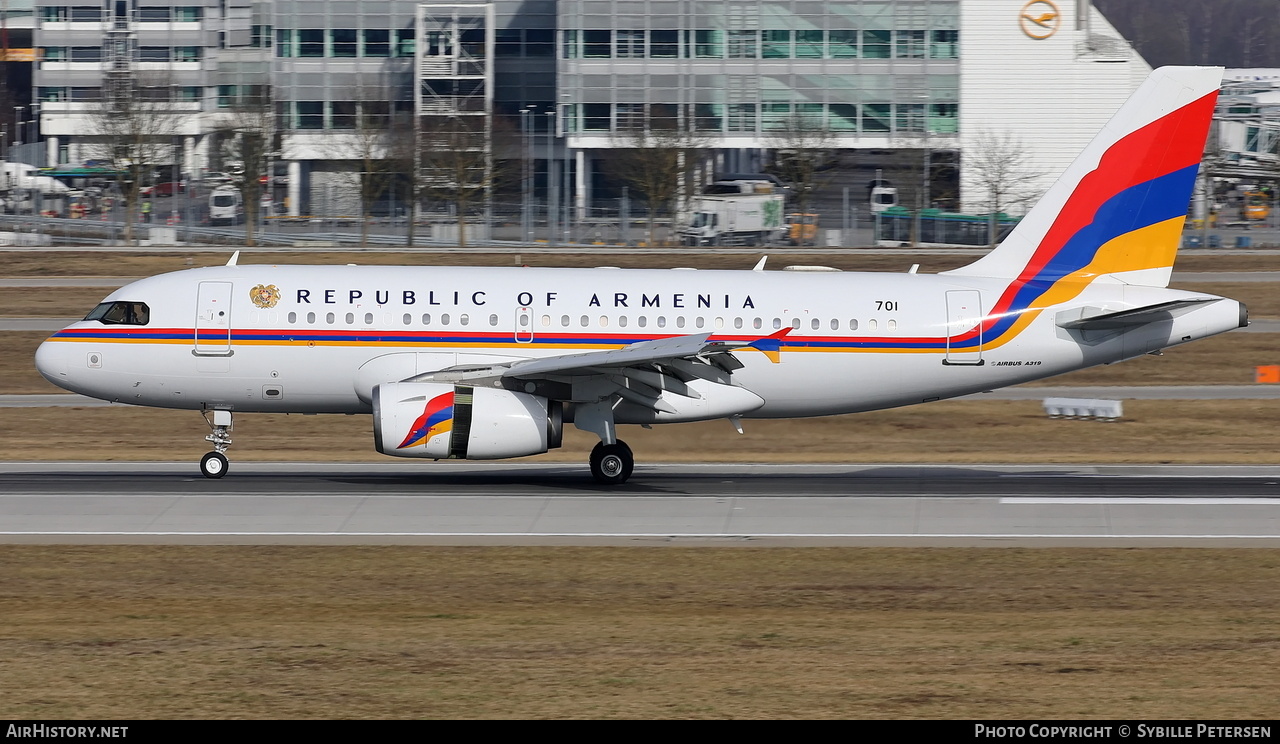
[121, 313]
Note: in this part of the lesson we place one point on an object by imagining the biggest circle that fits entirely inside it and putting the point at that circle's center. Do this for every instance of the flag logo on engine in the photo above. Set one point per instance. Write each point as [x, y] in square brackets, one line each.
[436, 418]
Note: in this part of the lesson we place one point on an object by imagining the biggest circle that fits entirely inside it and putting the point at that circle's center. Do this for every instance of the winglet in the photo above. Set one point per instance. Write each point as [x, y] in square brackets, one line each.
[234, 258]
[760, 263]
[771, 345]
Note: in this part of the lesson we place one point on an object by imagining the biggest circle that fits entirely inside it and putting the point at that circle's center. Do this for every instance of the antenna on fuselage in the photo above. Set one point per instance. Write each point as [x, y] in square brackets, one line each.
[234, 257]
[760, 264]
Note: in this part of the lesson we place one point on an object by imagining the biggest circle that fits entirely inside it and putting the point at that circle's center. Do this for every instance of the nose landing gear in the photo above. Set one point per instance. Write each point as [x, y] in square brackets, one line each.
[215, 464]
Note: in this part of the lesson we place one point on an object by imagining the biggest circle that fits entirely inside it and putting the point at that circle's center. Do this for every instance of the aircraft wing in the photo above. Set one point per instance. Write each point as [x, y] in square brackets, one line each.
[639, 373]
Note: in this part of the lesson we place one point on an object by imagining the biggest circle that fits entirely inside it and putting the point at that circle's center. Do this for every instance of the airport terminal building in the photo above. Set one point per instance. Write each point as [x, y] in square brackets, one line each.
[576, 80]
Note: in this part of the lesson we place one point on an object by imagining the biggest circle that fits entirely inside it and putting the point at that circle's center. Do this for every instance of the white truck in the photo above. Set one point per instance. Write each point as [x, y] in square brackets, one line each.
[734, 219]
[23, 177]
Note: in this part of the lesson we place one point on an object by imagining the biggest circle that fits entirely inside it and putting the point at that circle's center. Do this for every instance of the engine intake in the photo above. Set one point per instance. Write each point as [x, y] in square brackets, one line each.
[442, 421]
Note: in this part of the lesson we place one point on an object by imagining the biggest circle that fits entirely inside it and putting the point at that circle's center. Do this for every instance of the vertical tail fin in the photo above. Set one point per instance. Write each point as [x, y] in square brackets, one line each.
[1118, 209]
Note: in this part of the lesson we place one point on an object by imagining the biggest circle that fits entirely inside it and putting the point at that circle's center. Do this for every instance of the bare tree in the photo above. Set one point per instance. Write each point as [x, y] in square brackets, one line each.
[402, 158]
[1000, 166]
[134, 129]
[804, 148]
[367, 140]
[248, 141]
[455, 161]
[912, 170]
[655, 158]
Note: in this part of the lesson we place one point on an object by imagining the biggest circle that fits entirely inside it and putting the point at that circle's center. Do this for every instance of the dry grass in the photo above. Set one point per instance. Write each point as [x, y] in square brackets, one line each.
[18, 375]
[1261, 298]
[395, 632]
[44, 302]
[1227, 262]
[1153, 432]
[1227, 359]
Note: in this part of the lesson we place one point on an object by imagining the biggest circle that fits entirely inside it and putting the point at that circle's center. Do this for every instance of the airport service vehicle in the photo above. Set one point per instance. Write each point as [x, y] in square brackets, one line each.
[802, 228]
[1255, 204]
[486, 363]
[167, 188]
[882, 198]
[24, 177]
[226, 207]
[735, 219]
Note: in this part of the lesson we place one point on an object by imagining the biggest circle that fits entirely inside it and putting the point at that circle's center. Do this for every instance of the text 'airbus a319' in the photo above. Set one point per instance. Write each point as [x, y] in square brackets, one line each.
[487, 363]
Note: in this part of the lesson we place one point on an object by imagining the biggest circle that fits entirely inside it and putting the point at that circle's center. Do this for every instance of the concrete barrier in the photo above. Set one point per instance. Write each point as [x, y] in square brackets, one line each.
[1084, 408]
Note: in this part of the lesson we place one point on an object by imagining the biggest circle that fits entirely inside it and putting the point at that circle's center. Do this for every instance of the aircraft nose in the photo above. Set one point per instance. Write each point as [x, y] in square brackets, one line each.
[51, 362]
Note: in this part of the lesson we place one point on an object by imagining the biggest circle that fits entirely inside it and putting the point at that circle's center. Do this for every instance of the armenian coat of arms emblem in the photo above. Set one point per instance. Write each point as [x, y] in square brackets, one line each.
[265, 295]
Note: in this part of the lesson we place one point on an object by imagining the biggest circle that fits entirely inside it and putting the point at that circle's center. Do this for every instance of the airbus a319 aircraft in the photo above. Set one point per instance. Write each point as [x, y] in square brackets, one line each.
[487, 363]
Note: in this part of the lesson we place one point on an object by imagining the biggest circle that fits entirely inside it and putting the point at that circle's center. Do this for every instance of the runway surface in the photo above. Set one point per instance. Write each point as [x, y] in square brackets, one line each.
[522, 504]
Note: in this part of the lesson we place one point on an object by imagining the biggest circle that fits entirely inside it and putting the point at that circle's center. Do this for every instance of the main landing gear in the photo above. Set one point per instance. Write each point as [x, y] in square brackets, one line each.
[214, 464]
[611, 464]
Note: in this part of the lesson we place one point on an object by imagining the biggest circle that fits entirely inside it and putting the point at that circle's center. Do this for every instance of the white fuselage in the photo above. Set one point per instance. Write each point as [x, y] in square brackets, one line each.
[860, 341]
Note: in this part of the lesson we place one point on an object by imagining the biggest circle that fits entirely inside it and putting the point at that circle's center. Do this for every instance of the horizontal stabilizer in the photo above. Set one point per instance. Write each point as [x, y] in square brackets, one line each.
[1095, 319]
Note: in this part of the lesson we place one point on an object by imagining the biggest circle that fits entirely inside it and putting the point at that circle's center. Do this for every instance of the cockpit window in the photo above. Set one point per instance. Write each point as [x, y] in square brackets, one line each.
[121, 313]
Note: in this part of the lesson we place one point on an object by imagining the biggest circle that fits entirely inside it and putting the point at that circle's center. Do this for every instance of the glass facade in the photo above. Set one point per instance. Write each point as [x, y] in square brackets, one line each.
[879, 69]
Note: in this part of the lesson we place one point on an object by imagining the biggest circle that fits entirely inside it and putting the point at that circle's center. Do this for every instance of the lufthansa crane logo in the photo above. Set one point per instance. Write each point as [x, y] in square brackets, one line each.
[1040, 19]
[265, 295]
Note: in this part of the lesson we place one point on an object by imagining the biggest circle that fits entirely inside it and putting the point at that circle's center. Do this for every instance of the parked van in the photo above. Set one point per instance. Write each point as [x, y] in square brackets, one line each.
[225, 206]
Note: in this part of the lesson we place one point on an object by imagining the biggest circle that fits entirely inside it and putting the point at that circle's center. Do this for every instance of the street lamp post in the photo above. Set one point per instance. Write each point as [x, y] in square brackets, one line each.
[553, 181]
[37, 196]
[525, 174]
[19, 190]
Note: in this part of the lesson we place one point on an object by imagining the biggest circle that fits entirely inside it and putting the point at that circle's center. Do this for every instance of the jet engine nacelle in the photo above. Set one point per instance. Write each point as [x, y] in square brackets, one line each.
[445, 421]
